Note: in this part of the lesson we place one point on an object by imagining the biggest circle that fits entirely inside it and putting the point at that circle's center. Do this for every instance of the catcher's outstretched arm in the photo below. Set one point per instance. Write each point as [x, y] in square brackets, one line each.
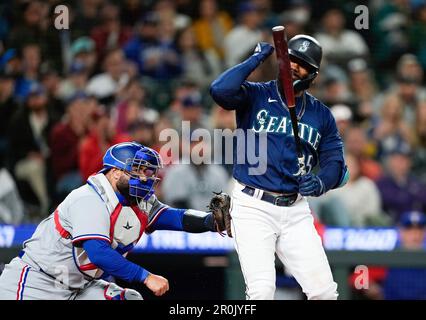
[188, 220]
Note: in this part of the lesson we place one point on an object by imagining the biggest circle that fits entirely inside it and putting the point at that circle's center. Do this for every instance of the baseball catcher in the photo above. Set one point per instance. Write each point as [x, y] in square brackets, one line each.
[90, 233]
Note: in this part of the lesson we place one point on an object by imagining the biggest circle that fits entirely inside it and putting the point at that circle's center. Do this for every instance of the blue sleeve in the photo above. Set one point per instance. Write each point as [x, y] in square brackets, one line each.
[110, 261]
[330, 175]
[169, 219]
[188, 220]
[331, 159]
[229, 90]
[330, 137]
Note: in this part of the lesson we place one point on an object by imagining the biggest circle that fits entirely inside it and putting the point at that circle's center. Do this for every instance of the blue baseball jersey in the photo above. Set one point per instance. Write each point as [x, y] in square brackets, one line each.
[262, 114]
[266, 112]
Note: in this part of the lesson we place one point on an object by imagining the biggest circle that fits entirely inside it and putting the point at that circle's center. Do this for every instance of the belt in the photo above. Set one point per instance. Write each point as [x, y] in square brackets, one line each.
[283, 200]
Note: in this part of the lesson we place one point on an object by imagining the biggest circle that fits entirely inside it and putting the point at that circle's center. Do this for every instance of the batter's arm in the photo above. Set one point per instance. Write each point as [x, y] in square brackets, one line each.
[228, 90]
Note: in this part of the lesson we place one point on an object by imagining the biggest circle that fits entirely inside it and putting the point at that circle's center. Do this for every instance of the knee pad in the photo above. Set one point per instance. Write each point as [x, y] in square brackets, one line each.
[115, 292]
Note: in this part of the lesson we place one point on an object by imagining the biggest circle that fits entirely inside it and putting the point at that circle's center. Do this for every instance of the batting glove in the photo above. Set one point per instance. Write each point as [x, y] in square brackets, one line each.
[262, 51]
[311, 185]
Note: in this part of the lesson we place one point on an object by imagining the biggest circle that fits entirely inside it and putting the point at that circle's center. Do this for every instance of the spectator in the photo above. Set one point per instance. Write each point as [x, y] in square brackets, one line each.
[35, 28]
[248, 29]
[200, 180]
[199, 66]
[192, 111]
[419, 159]
[109, 34]
[153, 48]
[212, 27]
[133, 107]
[51, 80]
[11, 206]
[65, 139]
[360, 198]
[400, 190]
[225, 120]
[166, 10]
[28, 149]
[100, 137]
[142, 131]
[418, 32]
[144, 38]
[339, 45]
[391, 129]
[356, 143]
[76, 81]
[104, 86]
[390, 39]
[83, 53]
[335, 86]
[343, 116]
[31, 60]
[409, 67]
[362, 82]
[85, 17]
[8, 108]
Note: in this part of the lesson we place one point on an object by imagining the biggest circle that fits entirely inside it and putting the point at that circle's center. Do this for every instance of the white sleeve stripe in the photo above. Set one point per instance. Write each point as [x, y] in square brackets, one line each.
[91, 236]
[154, 218]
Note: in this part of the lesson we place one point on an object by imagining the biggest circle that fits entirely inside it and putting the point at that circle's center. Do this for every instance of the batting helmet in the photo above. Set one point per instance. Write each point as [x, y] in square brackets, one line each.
[307, 49]
[308, 52]
[140, 162]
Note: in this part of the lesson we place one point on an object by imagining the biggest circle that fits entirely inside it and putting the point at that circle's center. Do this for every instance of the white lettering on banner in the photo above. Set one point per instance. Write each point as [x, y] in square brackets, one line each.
[168, 240]
[360, 239]
[371, 240]
[334, 239]
[210, 240]
[7, 233]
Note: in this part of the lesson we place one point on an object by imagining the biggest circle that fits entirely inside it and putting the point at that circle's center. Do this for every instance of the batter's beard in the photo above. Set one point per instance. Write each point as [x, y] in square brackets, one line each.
[123, 187]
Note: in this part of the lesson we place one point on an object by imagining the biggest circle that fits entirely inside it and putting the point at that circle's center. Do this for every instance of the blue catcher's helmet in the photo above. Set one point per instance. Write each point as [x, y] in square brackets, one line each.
[140, 162]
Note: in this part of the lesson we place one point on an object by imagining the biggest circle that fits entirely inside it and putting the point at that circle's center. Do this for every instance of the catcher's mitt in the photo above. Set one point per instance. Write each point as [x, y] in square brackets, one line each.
[219, 207]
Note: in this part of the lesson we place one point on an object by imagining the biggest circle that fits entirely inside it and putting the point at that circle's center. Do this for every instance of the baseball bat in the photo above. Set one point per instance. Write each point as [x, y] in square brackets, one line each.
[286, 80]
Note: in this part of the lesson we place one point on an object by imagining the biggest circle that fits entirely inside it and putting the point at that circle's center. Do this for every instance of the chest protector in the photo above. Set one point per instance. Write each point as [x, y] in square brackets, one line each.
[127, 225]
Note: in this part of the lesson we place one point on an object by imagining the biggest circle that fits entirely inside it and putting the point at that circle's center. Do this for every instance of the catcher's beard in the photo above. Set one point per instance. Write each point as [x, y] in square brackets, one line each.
[123, 187]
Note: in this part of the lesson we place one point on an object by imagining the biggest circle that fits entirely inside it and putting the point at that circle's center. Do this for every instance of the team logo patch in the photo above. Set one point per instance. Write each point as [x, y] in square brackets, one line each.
[304, 46]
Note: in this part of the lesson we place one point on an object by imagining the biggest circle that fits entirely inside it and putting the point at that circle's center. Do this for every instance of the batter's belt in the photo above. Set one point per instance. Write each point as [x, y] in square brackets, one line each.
[281, 200]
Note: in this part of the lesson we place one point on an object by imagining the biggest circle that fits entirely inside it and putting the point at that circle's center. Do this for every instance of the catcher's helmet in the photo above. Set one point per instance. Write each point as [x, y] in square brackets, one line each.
[140, 162]
[307, 49]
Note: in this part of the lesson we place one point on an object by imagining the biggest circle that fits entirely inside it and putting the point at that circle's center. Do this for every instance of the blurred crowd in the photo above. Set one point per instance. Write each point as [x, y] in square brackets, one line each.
[126, 70]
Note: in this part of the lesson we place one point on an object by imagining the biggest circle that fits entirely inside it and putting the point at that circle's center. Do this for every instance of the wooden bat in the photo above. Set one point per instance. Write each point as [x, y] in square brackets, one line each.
[286, 80]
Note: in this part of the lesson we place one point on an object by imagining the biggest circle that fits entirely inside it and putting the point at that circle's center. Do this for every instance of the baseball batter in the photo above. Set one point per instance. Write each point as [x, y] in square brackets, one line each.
[92, 230]
[270, 213]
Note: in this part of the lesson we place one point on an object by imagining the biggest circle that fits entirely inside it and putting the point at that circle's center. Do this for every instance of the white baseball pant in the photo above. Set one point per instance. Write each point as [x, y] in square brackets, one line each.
[262, 229]
[20, 281]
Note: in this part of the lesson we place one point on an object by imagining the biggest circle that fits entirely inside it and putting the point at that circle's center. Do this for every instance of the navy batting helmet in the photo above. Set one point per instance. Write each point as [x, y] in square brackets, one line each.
[307, 49]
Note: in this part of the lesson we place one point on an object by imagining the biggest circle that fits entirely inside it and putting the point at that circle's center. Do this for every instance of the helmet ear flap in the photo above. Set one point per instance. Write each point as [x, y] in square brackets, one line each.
[304, 84]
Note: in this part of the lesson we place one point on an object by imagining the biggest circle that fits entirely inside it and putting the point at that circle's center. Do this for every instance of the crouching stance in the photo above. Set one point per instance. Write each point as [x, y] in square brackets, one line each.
[90, 233]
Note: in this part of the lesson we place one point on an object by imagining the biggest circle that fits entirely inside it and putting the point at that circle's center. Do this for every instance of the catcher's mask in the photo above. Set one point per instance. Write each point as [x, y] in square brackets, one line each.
[306, 51]
[141, 163]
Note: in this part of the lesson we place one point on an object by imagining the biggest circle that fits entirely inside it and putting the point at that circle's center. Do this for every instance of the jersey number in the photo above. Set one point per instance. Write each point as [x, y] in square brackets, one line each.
[308, 163]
